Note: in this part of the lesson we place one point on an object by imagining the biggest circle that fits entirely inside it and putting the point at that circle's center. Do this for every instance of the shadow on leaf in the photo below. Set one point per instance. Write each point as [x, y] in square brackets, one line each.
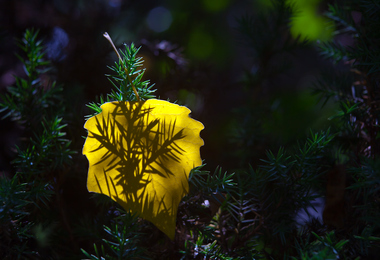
[138, 157]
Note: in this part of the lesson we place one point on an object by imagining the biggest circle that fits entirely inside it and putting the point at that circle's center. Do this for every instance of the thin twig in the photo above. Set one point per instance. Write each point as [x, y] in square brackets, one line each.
[108, 37]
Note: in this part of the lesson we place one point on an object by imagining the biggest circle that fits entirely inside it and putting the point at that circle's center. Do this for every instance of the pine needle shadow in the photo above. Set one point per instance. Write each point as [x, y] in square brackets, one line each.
[135, 149]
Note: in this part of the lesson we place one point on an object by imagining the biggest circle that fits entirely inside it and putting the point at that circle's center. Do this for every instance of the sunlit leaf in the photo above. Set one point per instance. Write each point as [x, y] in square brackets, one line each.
[140, 154]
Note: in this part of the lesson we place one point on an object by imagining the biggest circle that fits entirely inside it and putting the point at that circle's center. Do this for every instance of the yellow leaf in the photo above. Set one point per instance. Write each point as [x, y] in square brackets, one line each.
[140, 154]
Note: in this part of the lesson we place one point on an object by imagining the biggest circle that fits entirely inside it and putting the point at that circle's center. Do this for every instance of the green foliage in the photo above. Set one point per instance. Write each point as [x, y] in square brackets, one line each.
[128, 75]
[249, 211]
[204, 182]
[354, 85]
[122, 240]
[274, 193]
[14, 202]
[30, 99]
[208, 250]
[30, 191]
[326, 247]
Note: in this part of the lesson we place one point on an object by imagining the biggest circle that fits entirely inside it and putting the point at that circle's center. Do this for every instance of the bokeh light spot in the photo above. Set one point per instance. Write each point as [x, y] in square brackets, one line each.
[159, 19]
[114, 3]
[306, 23]
[200, 44]
[309, 25]
[215, 5]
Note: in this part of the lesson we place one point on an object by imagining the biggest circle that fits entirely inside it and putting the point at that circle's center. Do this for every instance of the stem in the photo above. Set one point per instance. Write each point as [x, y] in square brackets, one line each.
[108, 37]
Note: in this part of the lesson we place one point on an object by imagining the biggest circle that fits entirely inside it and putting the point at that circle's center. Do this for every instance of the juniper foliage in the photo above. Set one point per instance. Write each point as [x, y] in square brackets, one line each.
[28, 195]
[249, 213]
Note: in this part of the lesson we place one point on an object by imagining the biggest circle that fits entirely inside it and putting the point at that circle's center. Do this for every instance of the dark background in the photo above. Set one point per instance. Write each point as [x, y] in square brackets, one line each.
[201, 60]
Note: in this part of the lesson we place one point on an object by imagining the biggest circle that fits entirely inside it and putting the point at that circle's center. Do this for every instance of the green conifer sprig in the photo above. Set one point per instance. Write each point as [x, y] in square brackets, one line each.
[14, 224]
[281, 187]
[30, 99]
[355, 88]
[121, 241]
[35, 182]
[203, 181]
[128, 74]
[323, 247]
